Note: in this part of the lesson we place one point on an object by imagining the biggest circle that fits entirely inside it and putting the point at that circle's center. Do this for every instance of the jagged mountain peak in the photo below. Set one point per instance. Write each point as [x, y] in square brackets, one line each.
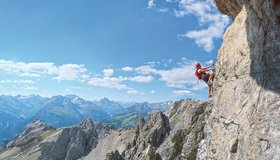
[71, 96]
[87, 122]
[156, 139]
[105, 99]
[28, 96]
[90, 140]
[88, 127]
[31, 132]
[66, 143]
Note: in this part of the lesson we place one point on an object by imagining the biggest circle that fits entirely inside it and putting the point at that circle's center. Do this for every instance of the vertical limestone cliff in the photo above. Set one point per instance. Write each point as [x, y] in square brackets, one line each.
[245, 123]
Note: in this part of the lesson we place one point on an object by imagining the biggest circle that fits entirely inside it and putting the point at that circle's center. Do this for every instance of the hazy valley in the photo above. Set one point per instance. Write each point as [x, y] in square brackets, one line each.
[61, 111]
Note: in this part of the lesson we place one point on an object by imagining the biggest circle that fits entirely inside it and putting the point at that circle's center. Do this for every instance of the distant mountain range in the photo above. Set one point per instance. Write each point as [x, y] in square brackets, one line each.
[61, 111]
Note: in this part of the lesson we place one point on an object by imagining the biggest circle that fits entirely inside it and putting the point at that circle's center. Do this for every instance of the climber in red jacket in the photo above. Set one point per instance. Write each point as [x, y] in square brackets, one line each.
[203, 73]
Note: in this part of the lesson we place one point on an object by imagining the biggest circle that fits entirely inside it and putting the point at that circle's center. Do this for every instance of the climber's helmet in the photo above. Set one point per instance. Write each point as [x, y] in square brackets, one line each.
[198, 66]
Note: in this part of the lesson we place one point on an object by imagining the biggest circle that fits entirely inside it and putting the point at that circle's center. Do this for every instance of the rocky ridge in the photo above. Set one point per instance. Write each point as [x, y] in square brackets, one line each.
[175, 134]
[43, 142]
[61, 111]
[31, 132]
[161, 136]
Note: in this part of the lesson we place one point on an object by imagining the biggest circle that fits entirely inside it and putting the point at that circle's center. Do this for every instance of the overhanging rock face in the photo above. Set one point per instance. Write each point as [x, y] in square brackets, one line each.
[245, 123]
[229, 7]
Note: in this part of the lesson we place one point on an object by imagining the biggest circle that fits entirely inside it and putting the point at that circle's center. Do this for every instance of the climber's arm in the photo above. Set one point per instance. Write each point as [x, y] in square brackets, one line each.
[205, 69]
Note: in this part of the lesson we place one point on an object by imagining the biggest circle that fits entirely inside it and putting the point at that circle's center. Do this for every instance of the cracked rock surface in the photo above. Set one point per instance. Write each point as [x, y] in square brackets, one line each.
[187, 120]
[244, 123]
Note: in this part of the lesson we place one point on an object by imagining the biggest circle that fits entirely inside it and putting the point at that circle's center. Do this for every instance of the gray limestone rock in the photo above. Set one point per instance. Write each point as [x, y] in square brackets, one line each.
[114, 156]
[31, 132]
[229, 7]
[187, 119]
[71, 143]
[244, 123]
[42, 142]
[148, 137]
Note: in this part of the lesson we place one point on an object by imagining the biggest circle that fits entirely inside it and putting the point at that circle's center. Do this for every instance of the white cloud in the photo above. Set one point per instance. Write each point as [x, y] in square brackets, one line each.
[29, 87]
[210, 62]
[179, 14]
[108, 72]
[213, 23]
[147, 69]
[118, 82]
[163, 10]
[142, 79]
[127, 69]
[151, 63]
[26, 69]
[151, 4]
[207, 14]
[182, 93]
[205, 37]
[71, 72]
[200, 86]
[182, 76]
[67, 90]
[108, 82]
[23, 81]
[132, 92]
[179, 77]
[170, 60]
[63, 72]
[197, 7]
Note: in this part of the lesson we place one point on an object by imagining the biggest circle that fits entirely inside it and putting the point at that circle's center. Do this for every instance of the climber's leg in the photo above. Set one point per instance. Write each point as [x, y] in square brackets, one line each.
[212, 75]
[209, 89]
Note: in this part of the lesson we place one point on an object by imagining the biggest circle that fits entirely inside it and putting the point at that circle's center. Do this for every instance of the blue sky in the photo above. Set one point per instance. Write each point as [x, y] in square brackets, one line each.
[129, 50]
